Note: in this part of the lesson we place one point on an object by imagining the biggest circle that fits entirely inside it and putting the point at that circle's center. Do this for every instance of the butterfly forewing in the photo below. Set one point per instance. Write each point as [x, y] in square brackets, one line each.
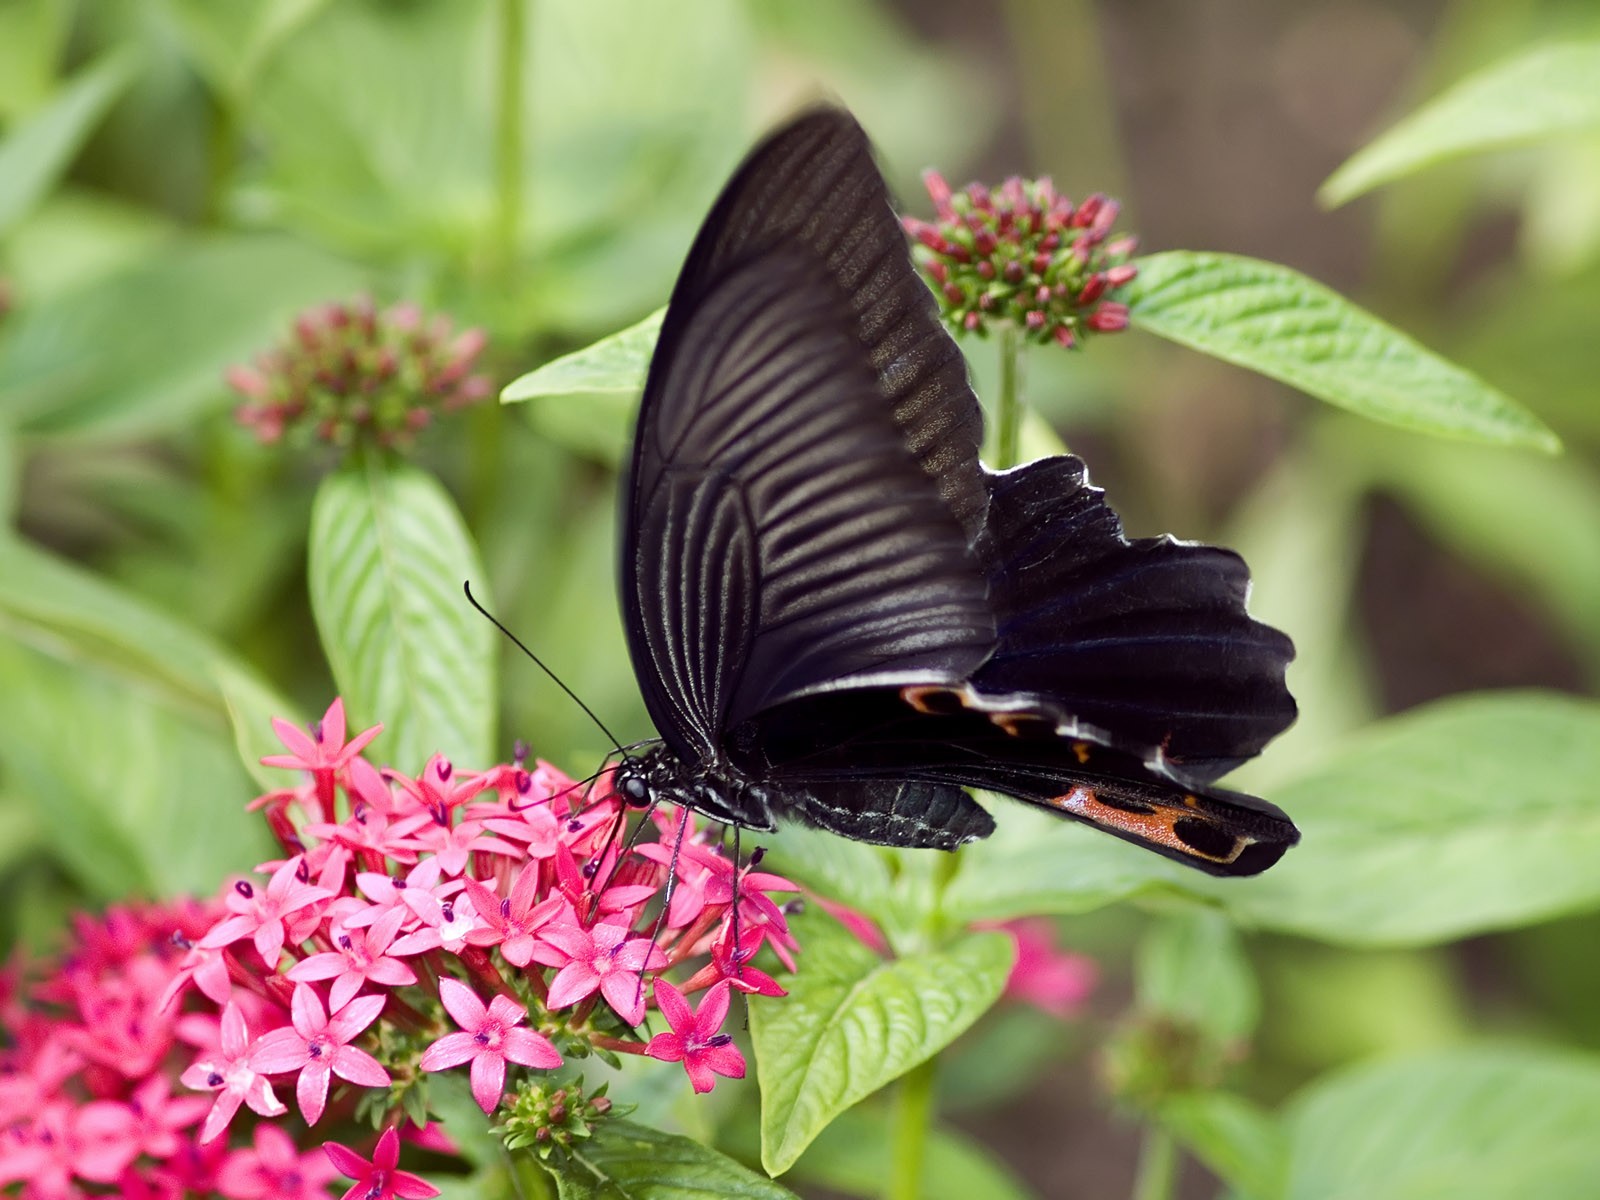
[782, 537]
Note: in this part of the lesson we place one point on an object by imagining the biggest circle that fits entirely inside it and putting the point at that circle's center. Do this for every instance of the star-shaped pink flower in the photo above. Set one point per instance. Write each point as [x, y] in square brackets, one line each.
[275, 1169]
[378, 1179]
[696, 1039]
[159, 1116]
[259, 913]
[325, 750]
[512, 923]
[361, 956]
[490, 1036]
[604, 957]
[316, 1046]
[229, 1073]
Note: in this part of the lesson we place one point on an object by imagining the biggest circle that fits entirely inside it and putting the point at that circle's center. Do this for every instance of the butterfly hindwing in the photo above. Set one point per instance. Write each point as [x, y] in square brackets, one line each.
[1148, 639]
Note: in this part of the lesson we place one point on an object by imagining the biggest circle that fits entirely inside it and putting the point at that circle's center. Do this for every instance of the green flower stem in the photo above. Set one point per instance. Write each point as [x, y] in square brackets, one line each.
[913, 1114]
[1158, 1166]
[1008, 415]
[508, 134]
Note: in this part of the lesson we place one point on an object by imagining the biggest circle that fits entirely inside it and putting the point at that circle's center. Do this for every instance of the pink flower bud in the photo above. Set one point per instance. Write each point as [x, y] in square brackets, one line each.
[1034, 320]
[1013, 272]
[1123, 246]
[1093, 289]
[1088, 211]
[1117, 276]
[938, 192]
[247, 382]
[971, 321]
[1064, 337]
[985, 269]
[1109, 317]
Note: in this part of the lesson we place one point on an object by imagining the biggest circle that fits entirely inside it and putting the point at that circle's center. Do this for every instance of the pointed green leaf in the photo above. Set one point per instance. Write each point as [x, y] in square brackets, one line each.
[1476, 1124]
[39, 148]
[1192, 967]
[853, 1022]
[1548, 91]
[133, 796]
[1276, 321]
[617, 363]
[80, 616]
[389, 553]
[1462, 816]
[854, 1155]
[624, 1161]
[585, 401]
[1239, 1142]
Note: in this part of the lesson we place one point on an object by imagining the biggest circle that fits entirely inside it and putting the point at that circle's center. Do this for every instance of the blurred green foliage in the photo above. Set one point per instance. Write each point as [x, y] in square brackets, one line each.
[179, 177]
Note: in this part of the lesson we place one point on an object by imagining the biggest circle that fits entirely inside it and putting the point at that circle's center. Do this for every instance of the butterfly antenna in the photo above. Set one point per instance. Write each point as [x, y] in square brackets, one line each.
[518, 643]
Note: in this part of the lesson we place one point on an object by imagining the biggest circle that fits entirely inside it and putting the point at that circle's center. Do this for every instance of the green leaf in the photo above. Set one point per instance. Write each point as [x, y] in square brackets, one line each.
[616, 364]
[1239, 1142]
[75, 365]
[852, 1155]
[78, 616]
[585, 401]
[131, 797]
[39, 148]
[1477, 1124]
[853, 1022]
[1530, 521]
[1545, 92]
[1192, 967]
[1036, 863]
[251, 707]
[1276, 321]
[1466, 815]
[388, 556]
[624, 1161]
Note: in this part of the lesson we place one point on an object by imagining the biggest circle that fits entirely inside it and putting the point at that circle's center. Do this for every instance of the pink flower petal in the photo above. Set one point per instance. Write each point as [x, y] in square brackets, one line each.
[488, 1080]
[462, 1003]
[356, 1065]
[451, 1050]
[311, 1090]
[530, 1049]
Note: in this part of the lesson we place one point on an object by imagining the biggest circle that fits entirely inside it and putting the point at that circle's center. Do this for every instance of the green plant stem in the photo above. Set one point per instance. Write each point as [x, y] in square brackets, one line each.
[1158, 1166]
[913, 1114]
[1008, 414]
[508, 133]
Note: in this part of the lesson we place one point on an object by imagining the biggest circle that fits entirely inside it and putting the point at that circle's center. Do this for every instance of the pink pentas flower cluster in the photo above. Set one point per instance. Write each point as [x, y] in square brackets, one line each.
[499, 923]
[1025, 255]
[352, 372]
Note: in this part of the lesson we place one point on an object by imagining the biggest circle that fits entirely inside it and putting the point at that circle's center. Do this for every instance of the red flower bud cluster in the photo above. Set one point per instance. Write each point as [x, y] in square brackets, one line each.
[350, 373]
[1020, 253]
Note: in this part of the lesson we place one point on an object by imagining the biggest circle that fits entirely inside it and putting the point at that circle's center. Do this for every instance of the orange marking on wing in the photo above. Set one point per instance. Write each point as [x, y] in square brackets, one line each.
[1014, 723]
[1081, 749]
[920, 699]
[1155, 827]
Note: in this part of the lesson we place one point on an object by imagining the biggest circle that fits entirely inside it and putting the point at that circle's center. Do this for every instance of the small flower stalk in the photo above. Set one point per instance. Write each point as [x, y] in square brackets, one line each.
[351, 373]
[498, 924]
[1025, 256]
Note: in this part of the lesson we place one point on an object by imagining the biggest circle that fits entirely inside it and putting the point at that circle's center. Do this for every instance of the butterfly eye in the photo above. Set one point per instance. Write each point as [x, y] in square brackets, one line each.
[636, 792]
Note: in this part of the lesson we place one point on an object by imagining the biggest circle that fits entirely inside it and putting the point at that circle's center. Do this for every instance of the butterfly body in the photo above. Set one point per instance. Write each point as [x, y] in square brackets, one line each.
[839, 616]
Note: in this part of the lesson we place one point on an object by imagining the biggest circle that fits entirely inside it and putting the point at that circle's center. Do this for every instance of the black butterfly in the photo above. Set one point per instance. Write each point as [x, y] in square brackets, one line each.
[839, 616]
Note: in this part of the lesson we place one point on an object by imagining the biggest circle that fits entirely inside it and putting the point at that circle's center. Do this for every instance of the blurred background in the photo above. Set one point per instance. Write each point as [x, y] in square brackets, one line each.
[179, 178]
